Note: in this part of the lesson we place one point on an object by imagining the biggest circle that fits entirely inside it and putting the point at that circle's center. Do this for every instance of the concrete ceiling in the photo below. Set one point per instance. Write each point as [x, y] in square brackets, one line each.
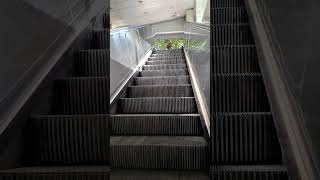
[141, 12]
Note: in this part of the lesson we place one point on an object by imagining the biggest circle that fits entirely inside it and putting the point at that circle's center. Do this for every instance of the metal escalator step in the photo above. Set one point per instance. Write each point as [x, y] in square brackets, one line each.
[257, 172]
[169, 105]
[67, 140]
[176, 51]
[162, 80]
[87, 95]
[244, 138]
[136, 174]
[165, 58]
[160, 62]
[239, 93]
[159, 152]
[160, 91]
[235, 59]
[106, 20]
[168, 72]
[227, 3]
[92, 63]
[57, 173]
[167, 51]
[99, 39]
[164, 67]
[167, 55]
[156, 124]
[229, 15]
[232, 34]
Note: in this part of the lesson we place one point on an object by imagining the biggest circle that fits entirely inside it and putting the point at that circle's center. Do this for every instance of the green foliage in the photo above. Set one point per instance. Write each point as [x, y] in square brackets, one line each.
[162, 44]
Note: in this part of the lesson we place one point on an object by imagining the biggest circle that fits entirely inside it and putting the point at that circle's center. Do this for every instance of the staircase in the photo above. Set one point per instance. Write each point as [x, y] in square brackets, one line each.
[244, 142]
[157, 133]
[72, 142]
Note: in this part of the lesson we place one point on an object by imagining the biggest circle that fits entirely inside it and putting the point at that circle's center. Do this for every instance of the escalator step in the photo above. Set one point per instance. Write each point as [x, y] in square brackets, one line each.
[135, 174]
[162, 80]
[160, 91]
[156, 124]
[181, 56]
[82, 96]
[106, 20]
[269, 172]
[92, 63]
[164, 58]
[235, 59]
[167, 51]
[169, 72]
[57, 173]
[159, 62]
[66, 140]
[164, 67]
[230, 15]
[239, 93]
[169, 105]
[232, 34]
[159, 152]
[99, 39]
[227, 3]
[244, 138]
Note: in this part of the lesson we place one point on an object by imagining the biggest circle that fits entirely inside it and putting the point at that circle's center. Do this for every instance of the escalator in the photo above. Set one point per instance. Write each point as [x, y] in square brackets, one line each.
[244, 142]
[72, 142]
[156, 132]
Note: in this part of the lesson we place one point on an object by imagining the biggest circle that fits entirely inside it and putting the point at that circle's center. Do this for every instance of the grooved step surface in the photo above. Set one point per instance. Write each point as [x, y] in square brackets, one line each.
[239, 93]
[99, 39]
[176, 55]
[162, 80]
[160, 91]
[166, 105]
[125, 174]
[82, 96]
[262, 172]
[166, 58]
[67, 140]
[232, 34]
[92, 63]
[159, 152]
[230, 15]
[106, 20]
[227, 3]
[171, 72]
[160, 62]
[244, 138]
[235, 59]
[57, 173]
[164, 67]
[157, 124]
[168, 51]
